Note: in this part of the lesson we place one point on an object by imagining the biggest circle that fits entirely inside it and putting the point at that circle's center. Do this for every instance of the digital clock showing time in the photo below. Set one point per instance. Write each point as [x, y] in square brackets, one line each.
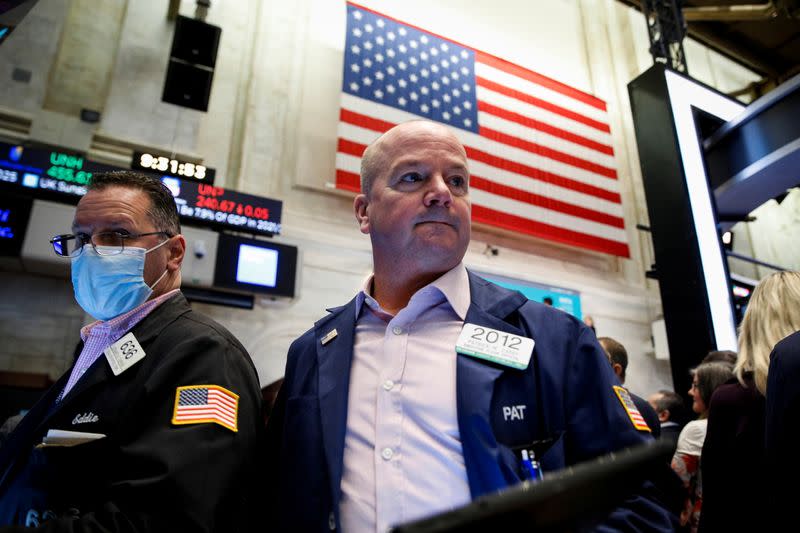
[174, 167]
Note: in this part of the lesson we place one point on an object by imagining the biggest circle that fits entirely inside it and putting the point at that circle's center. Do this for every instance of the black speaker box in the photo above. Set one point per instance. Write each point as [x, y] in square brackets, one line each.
[187, 85]
[195, 41]
[191, 63]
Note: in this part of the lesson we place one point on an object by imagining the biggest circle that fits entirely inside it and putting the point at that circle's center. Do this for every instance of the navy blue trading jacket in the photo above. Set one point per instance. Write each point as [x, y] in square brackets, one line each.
[567, 390]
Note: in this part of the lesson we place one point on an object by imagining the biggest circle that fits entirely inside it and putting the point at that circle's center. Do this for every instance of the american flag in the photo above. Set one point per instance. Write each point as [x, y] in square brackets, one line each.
[206, 403]
[539, 151]
[630, 407]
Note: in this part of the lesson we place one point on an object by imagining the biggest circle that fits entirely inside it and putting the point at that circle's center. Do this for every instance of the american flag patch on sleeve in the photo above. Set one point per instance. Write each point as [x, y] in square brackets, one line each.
[198, 404]
[630, 408]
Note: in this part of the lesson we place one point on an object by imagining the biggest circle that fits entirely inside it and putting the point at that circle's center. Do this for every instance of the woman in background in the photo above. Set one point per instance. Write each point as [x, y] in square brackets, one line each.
[686, 461]
[734, 461]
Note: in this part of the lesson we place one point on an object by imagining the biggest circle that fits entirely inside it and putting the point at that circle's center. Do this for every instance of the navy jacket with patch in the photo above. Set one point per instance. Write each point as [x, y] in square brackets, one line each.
[567, 392]
[147, 474]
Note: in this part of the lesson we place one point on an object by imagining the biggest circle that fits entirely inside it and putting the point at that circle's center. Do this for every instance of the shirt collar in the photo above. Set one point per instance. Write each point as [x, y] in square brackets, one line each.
[453, 284]
[128, 320]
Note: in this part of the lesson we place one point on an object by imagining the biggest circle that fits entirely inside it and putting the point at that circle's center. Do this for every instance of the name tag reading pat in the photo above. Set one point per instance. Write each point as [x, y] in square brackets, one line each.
[496, 346]
[124, 353]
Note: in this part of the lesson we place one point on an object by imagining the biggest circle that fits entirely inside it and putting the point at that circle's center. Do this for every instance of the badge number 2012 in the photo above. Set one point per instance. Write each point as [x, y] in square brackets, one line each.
[493, 345]
[493, 336]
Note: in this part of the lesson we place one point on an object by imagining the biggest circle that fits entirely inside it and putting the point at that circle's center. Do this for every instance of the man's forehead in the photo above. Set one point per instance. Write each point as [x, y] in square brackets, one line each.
[411, 159]
[111, 206]
[99, 218]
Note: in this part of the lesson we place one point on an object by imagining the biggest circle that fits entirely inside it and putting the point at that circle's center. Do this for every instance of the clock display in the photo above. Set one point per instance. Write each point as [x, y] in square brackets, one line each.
[175, 167]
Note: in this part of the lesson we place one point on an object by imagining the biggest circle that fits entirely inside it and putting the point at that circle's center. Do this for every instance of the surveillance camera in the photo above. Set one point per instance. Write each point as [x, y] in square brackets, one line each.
[200, 249]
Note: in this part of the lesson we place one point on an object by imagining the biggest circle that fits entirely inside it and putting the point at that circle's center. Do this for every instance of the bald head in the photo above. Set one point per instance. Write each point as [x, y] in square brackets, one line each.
[374, 158]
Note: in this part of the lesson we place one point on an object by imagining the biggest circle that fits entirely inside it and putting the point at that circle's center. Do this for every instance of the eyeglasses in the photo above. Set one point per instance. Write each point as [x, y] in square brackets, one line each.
[112, 242]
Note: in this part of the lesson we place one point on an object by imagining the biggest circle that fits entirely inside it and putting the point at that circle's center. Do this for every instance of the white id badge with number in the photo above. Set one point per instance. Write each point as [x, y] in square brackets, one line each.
[496, 346]
[124, 353]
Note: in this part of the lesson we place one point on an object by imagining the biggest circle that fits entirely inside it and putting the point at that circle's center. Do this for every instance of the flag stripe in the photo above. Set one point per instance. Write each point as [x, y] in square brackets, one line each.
[543, 104]
[521, 209]
[192, 414]
[540, 153]
[538, 79]
[524, 88]
[547, 231]
[538, 174]
[548, 117]
[348, 180]
[538, 125]
[359, 119]
[542, 201]
[547, 152]
[221, 397]
[185, 413]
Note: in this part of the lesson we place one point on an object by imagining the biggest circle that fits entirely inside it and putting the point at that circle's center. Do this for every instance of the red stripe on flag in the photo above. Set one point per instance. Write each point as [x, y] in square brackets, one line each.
[546, 231]
[348, 181]
[555, 155]
[541, 175]
[543, 127]
[544, 201]
[364, 121]
[543, 104]
[538, 79]
[350, 148]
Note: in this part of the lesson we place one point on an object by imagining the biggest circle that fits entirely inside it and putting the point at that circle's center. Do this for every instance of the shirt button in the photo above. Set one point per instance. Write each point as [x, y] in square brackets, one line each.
[331, 521]
[397, 330]
[387, 453]
[388, 384]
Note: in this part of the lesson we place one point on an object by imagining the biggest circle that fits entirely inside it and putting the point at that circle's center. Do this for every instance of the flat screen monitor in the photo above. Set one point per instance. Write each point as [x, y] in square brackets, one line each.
[256, 266]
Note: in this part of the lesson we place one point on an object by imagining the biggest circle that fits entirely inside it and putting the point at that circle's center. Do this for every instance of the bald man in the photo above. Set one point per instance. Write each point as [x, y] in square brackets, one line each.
[423, 391]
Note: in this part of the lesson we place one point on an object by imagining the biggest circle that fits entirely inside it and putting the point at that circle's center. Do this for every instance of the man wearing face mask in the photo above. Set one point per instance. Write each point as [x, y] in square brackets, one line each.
[155, 425]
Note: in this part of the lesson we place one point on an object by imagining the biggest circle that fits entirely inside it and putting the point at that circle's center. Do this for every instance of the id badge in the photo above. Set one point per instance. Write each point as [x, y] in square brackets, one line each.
[124, 353]
[496, 346]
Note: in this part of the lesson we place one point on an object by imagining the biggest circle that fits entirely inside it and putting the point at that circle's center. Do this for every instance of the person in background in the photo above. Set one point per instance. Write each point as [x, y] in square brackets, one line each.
[548, 301]
[783, 429]
[390, 411]
[155, 425]
[720, 356]
[671, 412]
[618, 357]
[589, 321]
[686, 461]
[736, 416]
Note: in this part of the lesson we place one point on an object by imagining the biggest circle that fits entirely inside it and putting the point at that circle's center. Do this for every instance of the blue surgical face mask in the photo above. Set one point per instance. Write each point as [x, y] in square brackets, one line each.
[107, 286]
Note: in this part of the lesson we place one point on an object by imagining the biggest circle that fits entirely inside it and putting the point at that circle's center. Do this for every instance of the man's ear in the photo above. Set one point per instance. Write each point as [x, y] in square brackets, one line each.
[663, 416]
[360, 207]
[617, 369]
[176, 248]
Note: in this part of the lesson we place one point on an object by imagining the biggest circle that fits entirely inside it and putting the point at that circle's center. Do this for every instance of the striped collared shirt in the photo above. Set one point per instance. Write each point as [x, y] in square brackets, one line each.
[100, 334]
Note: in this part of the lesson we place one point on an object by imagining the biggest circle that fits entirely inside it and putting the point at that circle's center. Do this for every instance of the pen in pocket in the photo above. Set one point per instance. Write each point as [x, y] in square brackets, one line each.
[531, 469]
